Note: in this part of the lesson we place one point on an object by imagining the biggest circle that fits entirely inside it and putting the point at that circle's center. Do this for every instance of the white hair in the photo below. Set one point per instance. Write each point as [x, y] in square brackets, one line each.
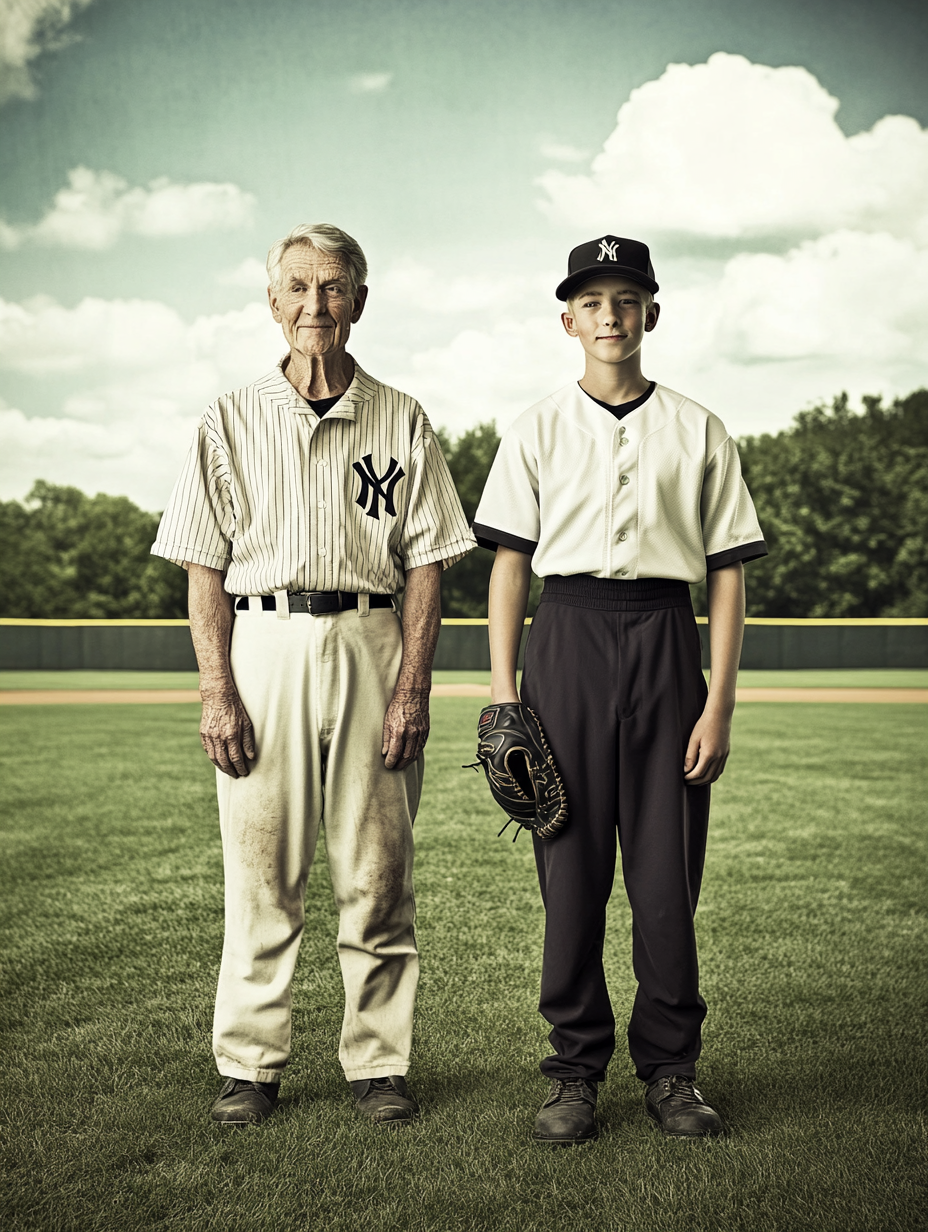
[326, 238]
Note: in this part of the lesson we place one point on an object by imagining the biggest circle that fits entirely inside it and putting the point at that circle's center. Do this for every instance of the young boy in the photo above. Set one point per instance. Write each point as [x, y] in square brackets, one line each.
[620, 493]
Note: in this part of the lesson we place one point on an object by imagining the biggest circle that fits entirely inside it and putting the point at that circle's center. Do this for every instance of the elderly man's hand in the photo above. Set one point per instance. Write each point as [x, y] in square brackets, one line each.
[226, 733]
[405, 727]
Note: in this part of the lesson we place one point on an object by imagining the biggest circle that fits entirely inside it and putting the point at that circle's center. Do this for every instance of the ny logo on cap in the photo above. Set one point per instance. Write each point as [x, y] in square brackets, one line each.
[607, 250]
[372, 485]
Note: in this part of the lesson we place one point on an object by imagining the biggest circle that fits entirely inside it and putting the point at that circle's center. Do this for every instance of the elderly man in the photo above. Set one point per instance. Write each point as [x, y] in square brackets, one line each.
[307, 501]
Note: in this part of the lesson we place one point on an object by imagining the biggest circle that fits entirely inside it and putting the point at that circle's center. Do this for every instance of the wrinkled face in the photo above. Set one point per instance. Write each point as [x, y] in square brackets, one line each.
[610, 316]
[313, 302]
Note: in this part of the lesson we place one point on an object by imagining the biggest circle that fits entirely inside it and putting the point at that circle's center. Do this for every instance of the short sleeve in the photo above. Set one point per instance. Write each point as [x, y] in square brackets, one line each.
[508, 514]
[435, 527]
[197, 525]
[730, 529]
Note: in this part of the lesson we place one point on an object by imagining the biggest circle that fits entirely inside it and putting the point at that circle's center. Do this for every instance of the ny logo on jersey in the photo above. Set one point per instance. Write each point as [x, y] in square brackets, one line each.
[607, 250]
[377, 487]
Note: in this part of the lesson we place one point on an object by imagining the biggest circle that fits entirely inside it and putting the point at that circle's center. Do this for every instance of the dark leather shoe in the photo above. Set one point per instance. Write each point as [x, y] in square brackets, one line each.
[245, 1103]
[385, 1100]
[679, 1108]
[566, 1116]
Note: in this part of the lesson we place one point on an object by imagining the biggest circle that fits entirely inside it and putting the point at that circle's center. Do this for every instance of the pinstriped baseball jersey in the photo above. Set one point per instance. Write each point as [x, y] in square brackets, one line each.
[656, 494]
[285, 500]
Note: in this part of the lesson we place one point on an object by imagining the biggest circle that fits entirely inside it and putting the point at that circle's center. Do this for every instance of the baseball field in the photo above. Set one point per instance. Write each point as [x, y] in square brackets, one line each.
[812, 933]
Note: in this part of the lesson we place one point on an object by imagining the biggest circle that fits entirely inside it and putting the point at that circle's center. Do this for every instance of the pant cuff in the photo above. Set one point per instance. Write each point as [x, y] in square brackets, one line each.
[383, 1069]
[229, 1070]
[664, 1071]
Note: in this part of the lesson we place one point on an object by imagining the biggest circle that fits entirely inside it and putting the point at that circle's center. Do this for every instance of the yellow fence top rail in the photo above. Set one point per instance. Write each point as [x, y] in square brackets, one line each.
[104, 624]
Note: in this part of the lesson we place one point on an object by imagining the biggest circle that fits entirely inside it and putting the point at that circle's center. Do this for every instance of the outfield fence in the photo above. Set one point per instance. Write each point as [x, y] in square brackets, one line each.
[164, 645]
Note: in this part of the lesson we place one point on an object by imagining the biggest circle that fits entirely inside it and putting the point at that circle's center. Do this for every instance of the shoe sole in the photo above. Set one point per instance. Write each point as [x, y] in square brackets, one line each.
[236, 1124]
[242, 1120]
[670, 1133]
[376, 1119]
[565, 1141]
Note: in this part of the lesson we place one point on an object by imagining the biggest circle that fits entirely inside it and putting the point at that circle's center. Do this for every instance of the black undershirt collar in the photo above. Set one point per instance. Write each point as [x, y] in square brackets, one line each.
[624, 408]
[321, 405]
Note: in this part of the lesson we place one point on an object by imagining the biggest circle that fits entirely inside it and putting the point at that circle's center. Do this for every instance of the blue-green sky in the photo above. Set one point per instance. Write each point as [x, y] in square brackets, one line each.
[151, 150]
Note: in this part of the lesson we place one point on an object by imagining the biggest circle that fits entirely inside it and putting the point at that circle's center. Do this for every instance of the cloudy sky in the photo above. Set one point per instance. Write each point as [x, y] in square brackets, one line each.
[774, 156]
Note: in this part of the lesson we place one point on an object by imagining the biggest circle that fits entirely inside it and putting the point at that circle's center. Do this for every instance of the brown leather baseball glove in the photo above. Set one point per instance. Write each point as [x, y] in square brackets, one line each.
[524, 781]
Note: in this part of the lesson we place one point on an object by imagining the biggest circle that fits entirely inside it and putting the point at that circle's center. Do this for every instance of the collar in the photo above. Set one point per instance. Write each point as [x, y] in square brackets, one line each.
[278, 389]
[587, 415]
[621, 409]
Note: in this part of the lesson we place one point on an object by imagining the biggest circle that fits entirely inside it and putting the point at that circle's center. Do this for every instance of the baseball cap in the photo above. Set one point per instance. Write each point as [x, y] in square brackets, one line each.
[609, 255]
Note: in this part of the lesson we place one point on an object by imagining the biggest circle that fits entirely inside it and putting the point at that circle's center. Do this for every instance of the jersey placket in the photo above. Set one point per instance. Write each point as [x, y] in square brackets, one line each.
[625, 504]
[317, 549]
[326, 556]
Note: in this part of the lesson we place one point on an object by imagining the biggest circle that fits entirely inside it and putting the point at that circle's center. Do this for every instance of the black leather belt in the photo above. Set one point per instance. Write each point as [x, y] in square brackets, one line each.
[315, 602]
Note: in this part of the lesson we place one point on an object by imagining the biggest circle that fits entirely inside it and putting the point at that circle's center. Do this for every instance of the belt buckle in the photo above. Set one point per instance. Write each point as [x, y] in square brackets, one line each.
[322, 602]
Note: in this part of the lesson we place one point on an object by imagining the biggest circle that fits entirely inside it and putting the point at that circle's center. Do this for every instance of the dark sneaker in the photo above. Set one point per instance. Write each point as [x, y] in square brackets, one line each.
[385, 1100]
[567, 1115]
[679, 1108]
[245, 1103]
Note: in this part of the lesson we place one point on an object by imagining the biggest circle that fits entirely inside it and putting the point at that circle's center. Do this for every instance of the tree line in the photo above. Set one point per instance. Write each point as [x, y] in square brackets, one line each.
[842, 498]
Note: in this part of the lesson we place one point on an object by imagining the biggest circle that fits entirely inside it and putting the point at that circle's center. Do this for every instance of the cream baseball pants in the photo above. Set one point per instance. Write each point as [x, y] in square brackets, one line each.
[316, 689]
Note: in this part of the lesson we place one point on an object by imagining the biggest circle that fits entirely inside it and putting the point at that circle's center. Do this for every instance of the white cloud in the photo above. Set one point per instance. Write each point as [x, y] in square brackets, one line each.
[27, 28]
[369, 83]
[9, 236]
[139, 376]
[490, 374]
[844, 296]
[420, 288]
[134, 457]
[41, 336]
[97, 207]
[54, 438]
[729, 149]
[250, 273]
[561, 152]
[845, 302]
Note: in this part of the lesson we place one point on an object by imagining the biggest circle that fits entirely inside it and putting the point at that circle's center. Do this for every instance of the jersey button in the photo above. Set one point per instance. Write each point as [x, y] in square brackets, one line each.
[623, 572]
[623, 535]
[322, 462]
[623, 479]
[322, 552]
[322, 504]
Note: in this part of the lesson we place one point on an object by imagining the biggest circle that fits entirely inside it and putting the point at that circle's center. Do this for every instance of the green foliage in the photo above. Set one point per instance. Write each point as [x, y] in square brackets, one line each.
[843, 502]
[464, 586]
[69, 555]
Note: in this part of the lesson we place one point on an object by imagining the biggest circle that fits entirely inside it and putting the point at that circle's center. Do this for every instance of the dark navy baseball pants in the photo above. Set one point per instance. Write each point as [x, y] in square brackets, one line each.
[612, 669]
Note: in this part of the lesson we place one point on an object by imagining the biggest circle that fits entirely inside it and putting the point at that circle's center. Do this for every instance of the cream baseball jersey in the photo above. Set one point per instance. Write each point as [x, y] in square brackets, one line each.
[282, 499]
[658, 493]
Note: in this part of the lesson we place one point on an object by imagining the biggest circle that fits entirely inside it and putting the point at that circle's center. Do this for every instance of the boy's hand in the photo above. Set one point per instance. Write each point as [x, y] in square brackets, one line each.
[708, 749]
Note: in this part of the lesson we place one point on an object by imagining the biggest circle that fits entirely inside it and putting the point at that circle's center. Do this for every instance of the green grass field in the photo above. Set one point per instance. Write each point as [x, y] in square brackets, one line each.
[812, 933]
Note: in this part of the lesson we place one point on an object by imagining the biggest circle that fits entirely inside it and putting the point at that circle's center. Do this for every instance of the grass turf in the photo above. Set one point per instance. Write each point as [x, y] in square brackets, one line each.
[812, 928]
[829, 678]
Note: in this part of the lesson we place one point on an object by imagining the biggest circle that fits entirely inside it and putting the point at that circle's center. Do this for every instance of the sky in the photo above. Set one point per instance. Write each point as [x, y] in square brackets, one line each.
[774, 157]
